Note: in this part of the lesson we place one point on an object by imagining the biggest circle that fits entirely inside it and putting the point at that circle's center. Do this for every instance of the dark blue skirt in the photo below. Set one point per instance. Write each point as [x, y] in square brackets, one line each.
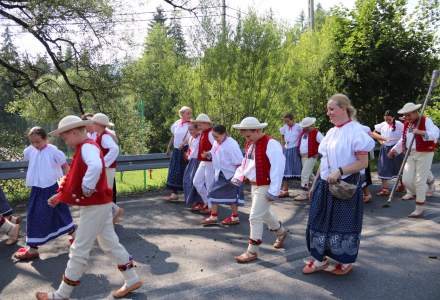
[176, 170]
[388, 168]
[5, 208]
[189, 191]
[224, 192]
[45, 223]
[293, 163]
[334, 226]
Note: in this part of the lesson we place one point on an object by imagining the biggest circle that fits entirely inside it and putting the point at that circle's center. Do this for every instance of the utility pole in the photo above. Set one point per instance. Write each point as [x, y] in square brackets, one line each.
[311, 15]
[224, 17]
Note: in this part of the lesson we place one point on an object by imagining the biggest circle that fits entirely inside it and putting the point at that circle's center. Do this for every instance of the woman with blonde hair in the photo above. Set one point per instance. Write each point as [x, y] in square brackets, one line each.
[177, 147]
[334, 225]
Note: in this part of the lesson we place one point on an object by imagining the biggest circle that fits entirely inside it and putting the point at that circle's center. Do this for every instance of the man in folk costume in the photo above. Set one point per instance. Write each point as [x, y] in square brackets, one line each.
[107, 142]
[418, 165]
[308, 144]
[263, 165]
[205, 174]
[85, 185]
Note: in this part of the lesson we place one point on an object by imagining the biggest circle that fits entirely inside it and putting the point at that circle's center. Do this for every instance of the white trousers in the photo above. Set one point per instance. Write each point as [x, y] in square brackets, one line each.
[110, 174]
[308, 163]
[261, 213]
[204, 179]
[95, 223]
[416, 173]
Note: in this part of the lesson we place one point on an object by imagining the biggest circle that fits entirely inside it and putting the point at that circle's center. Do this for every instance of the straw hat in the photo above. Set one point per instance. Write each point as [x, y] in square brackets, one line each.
[250, 123]
[202, 118]
[102, 119]
[409, 107]
[307, 122]
[70, 122]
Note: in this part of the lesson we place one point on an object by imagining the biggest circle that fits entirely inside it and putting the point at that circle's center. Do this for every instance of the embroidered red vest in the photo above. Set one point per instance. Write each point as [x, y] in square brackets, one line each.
[70, 191]
[311, 142]
[421, 145]
[204, 144]
[104, 150]
[262, 163]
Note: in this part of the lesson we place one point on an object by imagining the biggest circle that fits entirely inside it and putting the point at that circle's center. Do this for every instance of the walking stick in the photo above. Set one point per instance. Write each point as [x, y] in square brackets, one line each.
[434, 78]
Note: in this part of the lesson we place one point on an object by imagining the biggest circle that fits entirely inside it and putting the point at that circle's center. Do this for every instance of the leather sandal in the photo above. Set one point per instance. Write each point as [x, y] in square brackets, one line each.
[246, 257]
[124, 290]
[231, 221]
[339, 269]
[118, 215]
[311, 267]
[284, 194]
[24, 254]
[48, 296]
[383, 192]
[211, 220]
[279, 242]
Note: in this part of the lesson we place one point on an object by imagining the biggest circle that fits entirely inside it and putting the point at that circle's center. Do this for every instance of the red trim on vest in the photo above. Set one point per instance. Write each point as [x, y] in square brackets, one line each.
[421, 145]
[262, 163]
[204, 144]
[70, 191]
[312, 143]
[104, 150]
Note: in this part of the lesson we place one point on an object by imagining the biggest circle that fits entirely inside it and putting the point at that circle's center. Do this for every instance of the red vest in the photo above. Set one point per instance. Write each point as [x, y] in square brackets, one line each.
[262, 163]
[312, 142]
[204, 144]
[70, 192]
[104, 150]
[421, 145]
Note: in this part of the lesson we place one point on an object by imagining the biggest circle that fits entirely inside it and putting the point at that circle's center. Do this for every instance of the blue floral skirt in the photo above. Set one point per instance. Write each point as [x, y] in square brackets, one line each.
[293, 163]
[334, 226]
[388, 168]
[5, 208]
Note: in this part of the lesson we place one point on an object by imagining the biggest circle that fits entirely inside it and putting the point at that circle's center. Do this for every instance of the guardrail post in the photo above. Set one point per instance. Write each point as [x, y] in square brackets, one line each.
[145, 180]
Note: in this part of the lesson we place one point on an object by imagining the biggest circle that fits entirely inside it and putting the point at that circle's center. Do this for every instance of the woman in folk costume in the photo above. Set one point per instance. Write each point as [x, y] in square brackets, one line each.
[226, 157]
[192, 198]
[334, 225]
[263, 165]
[204, 177]
[107, 141]
[290, 133]
[86, 186]
[388, 133]
[179, 145]
[47, 164]
[12, 230]
[418, 165]
[308, 148]
[6, 209]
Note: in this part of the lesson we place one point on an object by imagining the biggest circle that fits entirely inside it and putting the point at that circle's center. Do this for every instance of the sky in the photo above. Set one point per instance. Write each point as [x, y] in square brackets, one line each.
[285, 11]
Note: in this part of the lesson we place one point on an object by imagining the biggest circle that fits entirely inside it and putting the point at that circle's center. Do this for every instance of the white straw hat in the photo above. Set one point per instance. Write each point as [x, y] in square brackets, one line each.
[307, 122]
[102, 119]
[202, 118]
[250, 123]
[70, 122]
[409, 107]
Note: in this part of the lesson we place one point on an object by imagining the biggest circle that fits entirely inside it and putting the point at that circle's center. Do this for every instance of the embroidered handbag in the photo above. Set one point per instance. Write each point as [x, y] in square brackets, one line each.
[341, 189]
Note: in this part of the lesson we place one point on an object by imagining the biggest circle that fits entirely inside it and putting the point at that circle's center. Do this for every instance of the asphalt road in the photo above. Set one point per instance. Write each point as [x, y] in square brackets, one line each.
[178, 259]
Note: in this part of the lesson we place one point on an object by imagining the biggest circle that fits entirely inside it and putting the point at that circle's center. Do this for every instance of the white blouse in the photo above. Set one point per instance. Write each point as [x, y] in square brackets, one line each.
[194, 146]
[44, 165]
[386, 131]
[340, 145]
[277, 161]
[107, 142]
[180, 132]
[304, 144]
[226, 157]
[291, 135]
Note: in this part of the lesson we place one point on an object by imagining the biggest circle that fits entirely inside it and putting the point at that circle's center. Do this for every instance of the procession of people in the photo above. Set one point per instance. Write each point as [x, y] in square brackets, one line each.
[212, 169]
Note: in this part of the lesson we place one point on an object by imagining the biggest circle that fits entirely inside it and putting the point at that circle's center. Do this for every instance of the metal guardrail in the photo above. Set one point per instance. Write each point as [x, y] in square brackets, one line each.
[17, 169]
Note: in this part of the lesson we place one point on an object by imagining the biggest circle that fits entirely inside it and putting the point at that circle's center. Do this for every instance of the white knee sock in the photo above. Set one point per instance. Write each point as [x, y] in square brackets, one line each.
[130, 277]
[64, 290]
